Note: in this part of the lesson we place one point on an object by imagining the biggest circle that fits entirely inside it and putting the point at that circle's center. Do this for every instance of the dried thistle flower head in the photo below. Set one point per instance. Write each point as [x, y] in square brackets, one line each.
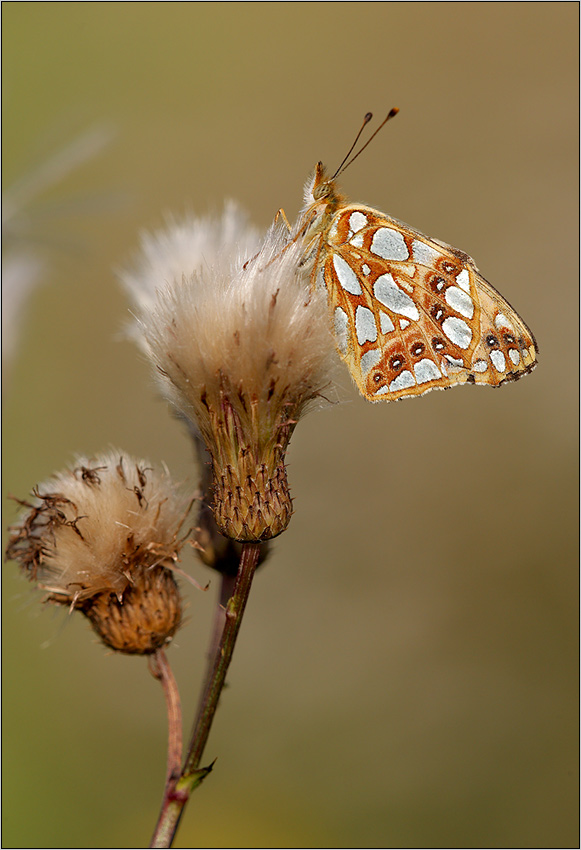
[242, 350]
[102, 538]
[170, 256]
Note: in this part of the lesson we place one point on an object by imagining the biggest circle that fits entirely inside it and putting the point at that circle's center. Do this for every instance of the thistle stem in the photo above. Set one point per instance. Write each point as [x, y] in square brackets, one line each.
[178, 790]
[160, 669]
[227, 584]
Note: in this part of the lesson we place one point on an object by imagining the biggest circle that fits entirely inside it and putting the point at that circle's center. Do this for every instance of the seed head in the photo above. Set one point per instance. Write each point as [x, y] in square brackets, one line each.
[242, 350]
[170, 256]
[102, 538]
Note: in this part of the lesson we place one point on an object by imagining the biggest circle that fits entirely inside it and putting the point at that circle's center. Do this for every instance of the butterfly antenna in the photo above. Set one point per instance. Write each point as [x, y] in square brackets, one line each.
[391, 114]
[366, 120]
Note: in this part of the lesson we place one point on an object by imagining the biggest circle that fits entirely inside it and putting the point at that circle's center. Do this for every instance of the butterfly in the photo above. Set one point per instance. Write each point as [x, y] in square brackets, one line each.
[410, 314]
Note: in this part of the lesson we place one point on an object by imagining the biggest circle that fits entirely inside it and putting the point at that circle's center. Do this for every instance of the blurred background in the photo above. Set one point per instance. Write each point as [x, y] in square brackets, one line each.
[406, 675]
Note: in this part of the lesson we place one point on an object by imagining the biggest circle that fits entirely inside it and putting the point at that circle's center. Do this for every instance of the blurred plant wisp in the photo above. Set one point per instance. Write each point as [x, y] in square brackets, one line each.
[25, 259]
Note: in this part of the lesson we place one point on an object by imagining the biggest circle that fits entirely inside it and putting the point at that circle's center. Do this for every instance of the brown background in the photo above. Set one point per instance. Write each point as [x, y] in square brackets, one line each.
[406, 674]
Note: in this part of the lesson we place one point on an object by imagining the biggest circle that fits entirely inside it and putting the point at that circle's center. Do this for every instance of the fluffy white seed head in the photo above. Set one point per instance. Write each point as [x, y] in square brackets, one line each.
[253, 325]
[186, 246]
[242, 349]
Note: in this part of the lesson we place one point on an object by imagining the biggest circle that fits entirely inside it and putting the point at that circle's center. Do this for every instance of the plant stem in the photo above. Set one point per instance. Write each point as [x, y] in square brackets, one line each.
[227, 584]
[178, 790]
[160, 668]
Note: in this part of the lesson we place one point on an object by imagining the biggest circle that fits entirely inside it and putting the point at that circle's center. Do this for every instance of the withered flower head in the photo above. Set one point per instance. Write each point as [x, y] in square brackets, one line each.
[102, 538]
[242, 349]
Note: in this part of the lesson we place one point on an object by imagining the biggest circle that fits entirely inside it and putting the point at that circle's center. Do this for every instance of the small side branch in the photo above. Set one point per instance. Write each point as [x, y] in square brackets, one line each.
[160, 668]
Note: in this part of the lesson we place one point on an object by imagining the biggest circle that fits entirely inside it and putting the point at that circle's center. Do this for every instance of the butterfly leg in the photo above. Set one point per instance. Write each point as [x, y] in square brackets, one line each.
[282, 215]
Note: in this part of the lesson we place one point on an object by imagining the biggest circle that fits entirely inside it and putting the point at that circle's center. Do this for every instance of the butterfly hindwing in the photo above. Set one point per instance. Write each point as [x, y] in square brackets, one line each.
[412, 314]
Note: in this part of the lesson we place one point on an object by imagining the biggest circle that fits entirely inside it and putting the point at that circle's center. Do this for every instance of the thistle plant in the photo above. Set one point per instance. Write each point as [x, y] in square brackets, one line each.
[238, 335]
[241, 348]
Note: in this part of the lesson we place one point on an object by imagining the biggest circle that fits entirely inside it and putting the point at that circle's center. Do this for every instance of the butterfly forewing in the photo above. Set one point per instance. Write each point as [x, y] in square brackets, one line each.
[410, 314]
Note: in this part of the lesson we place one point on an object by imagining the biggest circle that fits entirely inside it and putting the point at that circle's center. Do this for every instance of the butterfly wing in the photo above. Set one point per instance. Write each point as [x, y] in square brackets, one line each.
[412, 314]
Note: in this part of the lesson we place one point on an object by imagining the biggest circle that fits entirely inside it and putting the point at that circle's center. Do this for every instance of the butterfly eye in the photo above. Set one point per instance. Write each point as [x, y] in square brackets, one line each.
[491, 340]
[438, 343]
[377, 378]
[321, 191]
[417, 349]
[509, 339]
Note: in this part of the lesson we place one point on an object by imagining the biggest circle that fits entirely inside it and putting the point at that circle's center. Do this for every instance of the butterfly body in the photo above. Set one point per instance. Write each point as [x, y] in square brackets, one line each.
[410, 314]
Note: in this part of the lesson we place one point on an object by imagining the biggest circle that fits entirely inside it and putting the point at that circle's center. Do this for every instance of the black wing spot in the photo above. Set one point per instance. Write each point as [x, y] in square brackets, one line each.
[449, 268]
[438, 313]
[438, 344]
[437, 284]
[396, 362]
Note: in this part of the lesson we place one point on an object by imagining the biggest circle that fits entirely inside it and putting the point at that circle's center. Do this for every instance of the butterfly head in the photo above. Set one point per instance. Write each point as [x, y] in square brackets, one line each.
[322, 191]
[322, 186]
